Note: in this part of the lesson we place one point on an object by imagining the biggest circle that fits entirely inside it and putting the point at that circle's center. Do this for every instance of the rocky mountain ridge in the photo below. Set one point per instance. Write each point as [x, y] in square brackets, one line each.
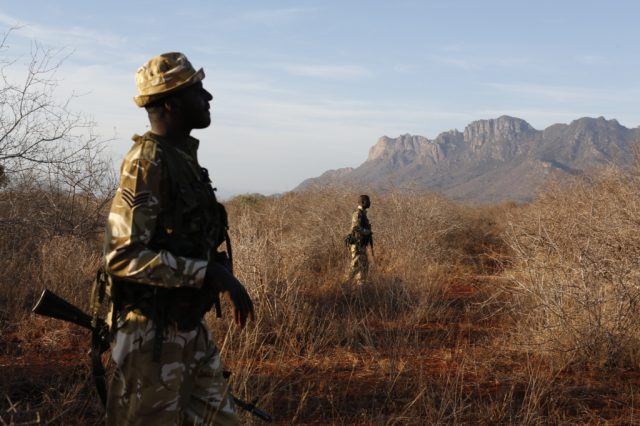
[491, 160]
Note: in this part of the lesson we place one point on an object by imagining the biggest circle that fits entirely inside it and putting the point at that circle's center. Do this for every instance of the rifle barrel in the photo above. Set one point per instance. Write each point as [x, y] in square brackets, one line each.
[251, 407]
[54, 306]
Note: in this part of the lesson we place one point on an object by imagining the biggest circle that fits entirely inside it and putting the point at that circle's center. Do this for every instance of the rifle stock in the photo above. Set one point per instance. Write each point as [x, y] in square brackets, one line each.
[53, 306]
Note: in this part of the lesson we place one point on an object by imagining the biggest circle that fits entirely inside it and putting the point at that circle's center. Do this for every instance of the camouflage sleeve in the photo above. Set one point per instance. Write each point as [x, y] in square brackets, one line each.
[356, 223]
[132, 222]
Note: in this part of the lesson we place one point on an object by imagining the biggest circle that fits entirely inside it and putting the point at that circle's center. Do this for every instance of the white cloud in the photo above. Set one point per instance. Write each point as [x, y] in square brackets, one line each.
[452, 48]
[240, 82]
[326, 71]
[273, 17]
[403, 68]
[562, 93]
[591, 59]
[456, 62]
[66, 37]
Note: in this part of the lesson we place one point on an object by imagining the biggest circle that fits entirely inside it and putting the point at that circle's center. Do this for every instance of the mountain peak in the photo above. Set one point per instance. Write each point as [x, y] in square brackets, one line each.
[493, 160]
[501, 128]
[595, 122]
[402, 145]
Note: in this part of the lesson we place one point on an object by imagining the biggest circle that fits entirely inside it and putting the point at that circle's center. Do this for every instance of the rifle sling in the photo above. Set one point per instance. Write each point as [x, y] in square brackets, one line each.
[97, 369]
[98, 344]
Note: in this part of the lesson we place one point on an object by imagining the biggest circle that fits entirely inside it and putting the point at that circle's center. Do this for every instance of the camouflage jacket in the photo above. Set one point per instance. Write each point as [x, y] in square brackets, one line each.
[164, 219]
[360, 226]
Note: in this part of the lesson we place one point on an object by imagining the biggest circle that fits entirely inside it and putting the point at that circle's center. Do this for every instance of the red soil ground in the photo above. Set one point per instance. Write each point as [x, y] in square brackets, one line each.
[363, 386]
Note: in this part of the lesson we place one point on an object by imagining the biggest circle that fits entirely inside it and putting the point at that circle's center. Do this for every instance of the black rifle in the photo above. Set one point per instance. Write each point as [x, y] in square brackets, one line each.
[54, 306]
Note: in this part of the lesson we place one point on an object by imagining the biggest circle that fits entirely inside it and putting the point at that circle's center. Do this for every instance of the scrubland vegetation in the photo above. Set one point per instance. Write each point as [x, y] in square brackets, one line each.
[502, 314]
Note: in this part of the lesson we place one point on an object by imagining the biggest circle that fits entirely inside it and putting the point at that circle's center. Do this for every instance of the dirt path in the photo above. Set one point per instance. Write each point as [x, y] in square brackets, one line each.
[452, 369]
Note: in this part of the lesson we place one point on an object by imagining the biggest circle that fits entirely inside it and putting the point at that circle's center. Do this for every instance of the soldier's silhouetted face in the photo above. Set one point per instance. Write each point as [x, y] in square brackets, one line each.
[194, 107]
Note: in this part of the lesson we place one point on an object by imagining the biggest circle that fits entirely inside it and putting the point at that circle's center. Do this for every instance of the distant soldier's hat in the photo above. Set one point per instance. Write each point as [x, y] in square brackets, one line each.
[163, 75]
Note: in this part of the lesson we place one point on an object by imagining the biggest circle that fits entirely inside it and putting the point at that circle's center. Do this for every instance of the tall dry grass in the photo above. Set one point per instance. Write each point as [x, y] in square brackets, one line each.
[47, 239]
[575, 270]
[312, 327]
[472, 313]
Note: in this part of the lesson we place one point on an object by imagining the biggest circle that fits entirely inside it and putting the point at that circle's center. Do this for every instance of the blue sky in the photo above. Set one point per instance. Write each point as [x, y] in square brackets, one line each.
[301, 87]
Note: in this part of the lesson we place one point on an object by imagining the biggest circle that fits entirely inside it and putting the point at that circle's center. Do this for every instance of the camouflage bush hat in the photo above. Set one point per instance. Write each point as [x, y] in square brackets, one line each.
[164, 74]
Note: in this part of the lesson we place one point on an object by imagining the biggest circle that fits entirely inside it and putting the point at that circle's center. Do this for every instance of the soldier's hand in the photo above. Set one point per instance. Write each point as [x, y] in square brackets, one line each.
[222, 280]
[242, 304]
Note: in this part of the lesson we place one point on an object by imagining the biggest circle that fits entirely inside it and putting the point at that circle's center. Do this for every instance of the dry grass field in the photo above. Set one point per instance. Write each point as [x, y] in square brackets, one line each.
[503, 314]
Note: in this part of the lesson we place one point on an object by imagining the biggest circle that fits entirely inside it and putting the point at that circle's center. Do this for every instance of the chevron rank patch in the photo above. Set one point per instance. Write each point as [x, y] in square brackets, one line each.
[134, 200]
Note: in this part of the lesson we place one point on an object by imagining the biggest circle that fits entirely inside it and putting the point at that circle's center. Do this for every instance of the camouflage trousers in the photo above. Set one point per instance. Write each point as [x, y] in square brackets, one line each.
[186, 387]
[359, 268]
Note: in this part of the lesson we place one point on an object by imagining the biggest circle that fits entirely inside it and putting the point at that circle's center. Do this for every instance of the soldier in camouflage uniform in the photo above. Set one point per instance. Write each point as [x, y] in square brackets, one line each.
[165, 270]
[358, 240]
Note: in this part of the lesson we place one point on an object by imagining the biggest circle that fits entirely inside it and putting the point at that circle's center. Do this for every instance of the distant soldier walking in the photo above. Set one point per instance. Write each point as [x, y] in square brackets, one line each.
[162, 258]
[358, 240]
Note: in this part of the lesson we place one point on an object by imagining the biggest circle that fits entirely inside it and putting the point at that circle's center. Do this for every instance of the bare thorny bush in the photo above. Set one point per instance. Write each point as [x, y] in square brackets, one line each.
[290, 252]
[54, 185]
[55, 179]
[575, 270]
[291, 249]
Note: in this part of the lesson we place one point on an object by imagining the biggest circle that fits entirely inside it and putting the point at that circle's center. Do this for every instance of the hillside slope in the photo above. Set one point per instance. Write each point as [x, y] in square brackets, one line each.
[492, 160]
